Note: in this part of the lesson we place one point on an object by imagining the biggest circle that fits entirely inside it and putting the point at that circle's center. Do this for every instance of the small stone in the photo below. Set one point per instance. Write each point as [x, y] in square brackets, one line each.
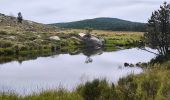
[126, 64]
[131, 65]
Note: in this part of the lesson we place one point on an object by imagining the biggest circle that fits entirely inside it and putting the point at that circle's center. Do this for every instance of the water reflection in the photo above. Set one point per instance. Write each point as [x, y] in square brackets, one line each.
[69, 70]
[91, 52]
[33, 56]
[89, 60]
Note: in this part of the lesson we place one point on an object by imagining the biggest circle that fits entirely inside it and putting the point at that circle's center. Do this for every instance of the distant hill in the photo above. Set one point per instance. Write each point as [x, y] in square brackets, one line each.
[105, 24]
[10, 24]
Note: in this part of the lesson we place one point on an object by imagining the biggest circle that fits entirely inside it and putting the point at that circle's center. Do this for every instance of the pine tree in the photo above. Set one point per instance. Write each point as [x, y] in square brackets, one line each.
[19, 17]
[158, 32]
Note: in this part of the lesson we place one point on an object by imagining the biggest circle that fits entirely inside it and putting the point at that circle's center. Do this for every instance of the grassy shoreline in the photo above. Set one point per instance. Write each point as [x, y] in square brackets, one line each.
[19, 43]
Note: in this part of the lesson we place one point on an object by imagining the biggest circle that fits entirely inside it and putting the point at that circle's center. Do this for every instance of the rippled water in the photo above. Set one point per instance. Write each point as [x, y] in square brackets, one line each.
[69, 70]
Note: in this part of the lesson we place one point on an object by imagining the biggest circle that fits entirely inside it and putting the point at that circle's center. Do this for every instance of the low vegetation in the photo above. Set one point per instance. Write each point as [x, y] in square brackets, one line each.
[18, 43]
[113, 38]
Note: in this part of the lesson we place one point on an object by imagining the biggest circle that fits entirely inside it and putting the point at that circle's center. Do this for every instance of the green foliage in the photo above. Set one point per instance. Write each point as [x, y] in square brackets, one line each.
[97, 90]
[105, 24]
[128, 88]
[9, 96]
[6, 51]
[150, 87]
[158, 36]
[110, 42]
[5, 43]
[19, 17]
[165, 90]
[55, 95]
[29, 41]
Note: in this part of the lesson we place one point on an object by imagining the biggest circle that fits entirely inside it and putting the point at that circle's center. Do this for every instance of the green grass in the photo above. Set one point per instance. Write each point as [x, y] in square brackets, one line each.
[18, 42]
[109, 34]
[113, 38]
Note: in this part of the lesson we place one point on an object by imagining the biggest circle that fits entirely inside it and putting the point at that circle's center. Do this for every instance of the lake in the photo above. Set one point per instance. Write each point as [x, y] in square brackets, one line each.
[66, 70]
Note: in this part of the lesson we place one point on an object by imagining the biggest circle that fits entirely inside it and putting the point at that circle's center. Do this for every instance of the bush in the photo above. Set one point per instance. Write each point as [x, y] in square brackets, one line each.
[98, 90]
[3, 33]
[150, 86]
[6, 51]
[5, 44]
[128, 88]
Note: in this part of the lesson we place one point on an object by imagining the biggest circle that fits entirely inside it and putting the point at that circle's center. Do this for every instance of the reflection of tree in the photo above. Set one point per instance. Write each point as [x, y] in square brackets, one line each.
[91, 52]
[31, 56]
[88, 60]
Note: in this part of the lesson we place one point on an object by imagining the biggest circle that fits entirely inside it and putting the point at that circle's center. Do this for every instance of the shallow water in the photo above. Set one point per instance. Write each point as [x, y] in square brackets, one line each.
[65, 70]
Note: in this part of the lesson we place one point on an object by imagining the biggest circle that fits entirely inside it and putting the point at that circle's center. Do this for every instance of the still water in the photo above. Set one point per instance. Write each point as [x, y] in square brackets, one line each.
[65, 70]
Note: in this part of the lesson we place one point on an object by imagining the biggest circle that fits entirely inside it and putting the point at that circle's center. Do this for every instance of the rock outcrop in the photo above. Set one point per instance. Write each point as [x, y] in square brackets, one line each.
[92, 41]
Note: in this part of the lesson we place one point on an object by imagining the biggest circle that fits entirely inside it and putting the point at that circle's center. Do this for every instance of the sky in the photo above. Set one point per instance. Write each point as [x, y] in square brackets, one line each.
[55, 11]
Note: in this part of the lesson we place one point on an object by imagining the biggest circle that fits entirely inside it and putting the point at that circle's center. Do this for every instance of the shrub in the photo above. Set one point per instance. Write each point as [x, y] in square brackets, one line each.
[6, 51]
[98, 90]
[5, 44]
[3, 33]
[150, 86]
[128, 88]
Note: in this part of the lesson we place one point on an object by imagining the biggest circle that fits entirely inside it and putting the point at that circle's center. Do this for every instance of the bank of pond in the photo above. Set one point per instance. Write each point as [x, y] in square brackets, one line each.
[79, 74]
[24, 43]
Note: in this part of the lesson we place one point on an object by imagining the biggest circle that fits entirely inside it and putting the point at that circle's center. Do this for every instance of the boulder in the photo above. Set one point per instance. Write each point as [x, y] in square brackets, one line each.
[56, 38]
[97, 40]
[93, 41]
[81, 35]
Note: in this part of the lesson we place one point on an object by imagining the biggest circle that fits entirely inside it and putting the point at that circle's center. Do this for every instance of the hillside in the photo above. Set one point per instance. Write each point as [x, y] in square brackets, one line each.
[30, 37]
[10, 24]
[113, 24]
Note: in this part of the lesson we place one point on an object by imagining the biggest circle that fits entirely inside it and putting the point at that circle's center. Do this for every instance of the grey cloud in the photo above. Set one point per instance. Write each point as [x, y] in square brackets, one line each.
[51, 11]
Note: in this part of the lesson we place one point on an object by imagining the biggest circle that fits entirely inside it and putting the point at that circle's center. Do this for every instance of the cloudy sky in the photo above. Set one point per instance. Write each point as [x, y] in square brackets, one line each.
[52, 11]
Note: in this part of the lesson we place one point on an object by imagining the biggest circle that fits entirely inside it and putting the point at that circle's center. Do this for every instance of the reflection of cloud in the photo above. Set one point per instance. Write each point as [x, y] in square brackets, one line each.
[50, 11]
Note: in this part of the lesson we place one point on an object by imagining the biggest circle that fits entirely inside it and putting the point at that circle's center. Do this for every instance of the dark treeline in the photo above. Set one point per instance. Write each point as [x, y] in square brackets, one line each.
[113, 24]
